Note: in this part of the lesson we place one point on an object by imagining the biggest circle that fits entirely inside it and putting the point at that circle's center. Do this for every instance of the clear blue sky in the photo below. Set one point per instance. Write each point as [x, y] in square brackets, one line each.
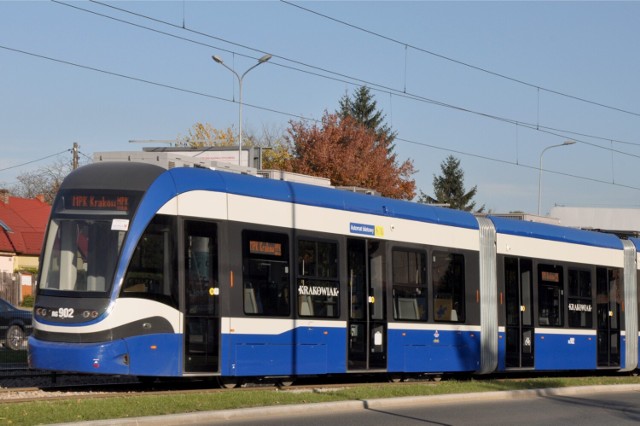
[492, 83]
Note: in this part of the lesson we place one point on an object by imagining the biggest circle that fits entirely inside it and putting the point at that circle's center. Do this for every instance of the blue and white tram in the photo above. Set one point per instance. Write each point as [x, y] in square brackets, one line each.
[195, 272]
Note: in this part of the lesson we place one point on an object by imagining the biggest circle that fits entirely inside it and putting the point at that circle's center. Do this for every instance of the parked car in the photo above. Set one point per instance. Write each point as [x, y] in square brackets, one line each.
[15, 326]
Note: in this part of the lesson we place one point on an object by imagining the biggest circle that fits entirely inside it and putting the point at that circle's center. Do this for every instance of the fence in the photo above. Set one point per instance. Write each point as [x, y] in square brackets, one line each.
[10, 287]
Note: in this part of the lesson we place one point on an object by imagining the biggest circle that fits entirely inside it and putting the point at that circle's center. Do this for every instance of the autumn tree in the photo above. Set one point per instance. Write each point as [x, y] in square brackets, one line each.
[362, 107]
[44, 181]
[349, 154]
[449, 188]
[275, 154]
[204, 134]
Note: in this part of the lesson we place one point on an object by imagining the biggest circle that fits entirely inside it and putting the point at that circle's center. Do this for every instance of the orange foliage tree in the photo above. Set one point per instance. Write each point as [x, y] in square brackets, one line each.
[350, 154]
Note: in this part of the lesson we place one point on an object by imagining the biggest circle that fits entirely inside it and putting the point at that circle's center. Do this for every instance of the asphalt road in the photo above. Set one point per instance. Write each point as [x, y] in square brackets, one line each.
[598, 405]
[585, 410]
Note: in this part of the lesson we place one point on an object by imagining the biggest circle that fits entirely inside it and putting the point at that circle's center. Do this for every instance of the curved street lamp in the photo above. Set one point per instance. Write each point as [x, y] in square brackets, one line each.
[540, 169]
[262, 60]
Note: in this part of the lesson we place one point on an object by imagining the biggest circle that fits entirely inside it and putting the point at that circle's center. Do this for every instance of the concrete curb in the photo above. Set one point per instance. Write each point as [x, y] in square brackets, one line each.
[370, 404]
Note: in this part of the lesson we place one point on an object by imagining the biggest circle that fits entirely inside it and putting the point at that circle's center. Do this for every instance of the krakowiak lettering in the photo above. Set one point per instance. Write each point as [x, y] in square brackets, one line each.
[580, 307]
[305, 290]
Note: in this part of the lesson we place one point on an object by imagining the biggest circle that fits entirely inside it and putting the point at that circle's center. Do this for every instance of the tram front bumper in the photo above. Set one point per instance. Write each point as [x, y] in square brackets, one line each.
[97, 358]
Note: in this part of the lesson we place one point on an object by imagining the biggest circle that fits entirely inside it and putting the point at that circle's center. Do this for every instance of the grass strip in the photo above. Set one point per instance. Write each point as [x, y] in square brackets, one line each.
[136, 405]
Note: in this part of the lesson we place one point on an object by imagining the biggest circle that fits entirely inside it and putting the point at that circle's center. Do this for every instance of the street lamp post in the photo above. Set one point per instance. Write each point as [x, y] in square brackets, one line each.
[540, 170]
[263, 59]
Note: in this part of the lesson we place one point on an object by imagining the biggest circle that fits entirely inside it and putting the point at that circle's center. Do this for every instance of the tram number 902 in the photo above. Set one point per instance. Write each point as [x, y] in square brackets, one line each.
[63, 313]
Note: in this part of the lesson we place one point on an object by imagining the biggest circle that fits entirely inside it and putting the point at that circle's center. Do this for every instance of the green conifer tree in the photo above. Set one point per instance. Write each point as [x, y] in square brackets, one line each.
[449, 188]
[363, 109]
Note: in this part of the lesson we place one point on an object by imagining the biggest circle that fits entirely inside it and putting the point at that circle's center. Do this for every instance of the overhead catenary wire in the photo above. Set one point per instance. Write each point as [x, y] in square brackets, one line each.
[448, 149]
[462, 63]
[349, 79]
[142, 80]
[515, 163]
[304, 118]
[35, 161]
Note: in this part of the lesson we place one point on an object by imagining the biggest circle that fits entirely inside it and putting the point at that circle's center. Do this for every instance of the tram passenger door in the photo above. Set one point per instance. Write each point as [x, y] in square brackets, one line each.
[519, 310]
[367, 329]
[201, 317]
[609, 294]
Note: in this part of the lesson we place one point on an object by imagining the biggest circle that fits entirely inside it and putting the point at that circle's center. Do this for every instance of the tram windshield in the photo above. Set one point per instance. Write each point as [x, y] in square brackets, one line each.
[81, 254]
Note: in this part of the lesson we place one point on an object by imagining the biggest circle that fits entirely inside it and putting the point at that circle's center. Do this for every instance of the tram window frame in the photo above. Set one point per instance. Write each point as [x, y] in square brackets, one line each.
[410, 290]
[145, 277]
[580, 298]
[266, 252]
[449, 286]
[317, 279]
[550, 295]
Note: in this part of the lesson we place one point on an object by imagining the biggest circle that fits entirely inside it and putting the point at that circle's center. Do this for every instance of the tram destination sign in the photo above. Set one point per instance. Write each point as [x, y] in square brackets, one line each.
[99, 202]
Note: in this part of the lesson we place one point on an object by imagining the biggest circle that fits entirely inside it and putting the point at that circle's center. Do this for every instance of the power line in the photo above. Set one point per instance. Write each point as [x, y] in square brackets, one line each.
[34, 161]
[350, 80]
[448, 149]
[459, 62]
[375, 86]
[512, 163]
[415, 97]
[142, 80]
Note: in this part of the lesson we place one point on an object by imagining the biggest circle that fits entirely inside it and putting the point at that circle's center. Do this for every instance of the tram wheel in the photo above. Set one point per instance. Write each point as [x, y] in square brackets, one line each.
[397, 378]
[228, 382]
[284, 383]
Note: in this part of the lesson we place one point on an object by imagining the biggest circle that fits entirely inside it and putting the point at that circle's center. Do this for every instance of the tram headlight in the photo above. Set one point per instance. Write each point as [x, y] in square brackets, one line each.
[89, 314]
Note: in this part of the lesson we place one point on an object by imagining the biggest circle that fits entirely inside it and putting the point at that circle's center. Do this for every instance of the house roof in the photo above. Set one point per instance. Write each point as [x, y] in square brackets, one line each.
[22, 225]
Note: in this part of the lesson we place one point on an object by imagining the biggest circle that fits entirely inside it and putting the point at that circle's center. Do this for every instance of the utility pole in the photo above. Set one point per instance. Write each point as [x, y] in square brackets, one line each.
[74, 151]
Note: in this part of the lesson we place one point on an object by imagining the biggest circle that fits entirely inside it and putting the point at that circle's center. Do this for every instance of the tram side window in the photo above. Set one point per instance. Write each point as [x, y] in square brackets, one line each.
[580, 299]
[609, 297]
[409, 285]
[200, 267]
[266, 288]
[152, 271]
[448, 286]
[550, 295]
[318, 283]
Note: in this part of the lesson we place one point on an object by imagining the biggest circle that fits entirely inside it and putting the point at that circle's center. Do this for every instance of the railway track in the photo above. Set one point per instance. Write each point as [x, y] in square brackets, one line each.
[41, 387]
[74, 386]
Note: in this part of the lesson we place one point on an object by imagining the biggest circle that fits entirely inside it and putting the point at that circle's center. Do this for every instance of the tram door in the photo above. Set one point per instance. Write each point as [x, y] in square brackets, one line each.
[367, 329]
[518, 304]
[202, 319]
[609, 294]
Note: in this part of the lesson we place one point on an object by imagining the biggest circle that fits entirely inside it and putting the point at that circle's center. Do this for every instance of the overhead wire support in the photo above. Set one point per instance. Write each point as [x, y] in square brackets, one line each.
[465, 64]
[555, 132]
[343, 78]
[448, 149]
[415, 97]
